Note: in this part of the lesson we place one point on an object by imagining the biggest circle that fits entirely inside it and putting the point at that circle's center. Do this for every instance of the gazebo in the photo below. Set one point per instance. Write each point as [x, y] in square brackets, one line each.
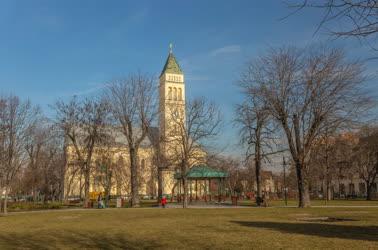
[200, 178]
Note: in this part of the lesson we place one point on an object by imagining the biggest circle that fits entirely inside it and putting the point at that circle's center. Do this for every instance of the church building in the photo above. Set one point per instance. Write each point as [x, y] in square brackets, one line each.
[171, 99]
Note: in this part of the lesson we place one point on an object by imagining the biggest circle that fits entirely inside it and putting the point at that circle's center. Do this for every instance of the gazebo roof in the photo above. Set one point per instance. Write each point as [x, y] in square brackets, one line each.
[203, 172]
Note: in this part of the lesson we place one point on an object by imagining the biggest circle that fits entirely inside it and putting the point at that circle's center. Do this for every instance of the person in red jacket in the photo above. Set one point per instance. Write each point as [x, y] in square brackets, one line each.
[163, 201]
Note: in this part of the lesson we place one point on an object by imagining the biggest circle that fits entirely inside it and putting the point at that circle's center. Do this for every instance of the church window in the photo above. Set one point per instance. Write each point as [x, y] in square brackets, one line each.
[175, 94]
[169, 93]
[179, 94]
[142, 163]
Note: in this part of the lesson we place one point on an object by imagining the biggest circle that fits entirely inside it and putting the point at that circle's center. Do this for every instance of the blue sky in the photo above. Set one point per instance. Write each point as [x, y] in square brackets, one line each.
[56, 49]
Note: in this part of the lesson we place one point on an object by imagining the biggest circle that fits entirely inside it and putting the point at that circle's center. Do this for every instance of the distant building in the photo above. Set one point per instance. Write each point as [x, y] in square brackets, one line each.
[351, 186]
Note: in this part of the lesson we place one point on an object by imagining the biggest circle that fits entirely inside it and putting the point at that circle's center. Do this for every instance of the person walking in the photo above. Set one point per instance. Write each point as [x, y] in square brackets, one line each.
[163, 201]
[99, 201]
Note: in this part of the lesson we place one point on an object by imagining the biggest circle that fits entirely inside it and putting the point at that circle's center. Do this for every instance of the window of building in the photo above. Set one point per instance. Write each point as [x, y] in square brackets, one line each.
[175, 94]
[180, 94]
[169, 93]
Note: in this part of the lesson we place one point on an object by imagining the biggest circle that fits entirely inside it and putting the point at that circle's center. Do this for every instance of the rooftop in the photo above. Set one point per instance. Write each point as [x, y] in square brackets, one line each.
[171, 66]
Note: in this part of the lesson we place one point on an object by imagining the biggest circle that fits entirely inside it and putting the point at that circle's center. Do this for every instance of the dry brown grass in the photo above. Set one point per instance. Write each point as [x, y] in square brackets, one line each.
[190, 229]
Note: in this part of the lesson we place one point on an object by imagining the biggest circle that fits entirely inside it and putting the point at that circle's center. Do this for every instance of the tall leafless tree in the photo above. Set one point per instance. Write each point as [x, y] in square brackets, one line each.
[253, 119]
[45, 168]
[366, 157]
[83, 123]
[190, 131]
[16, 119]
[159, 162]
[133, 106]
[308, 91]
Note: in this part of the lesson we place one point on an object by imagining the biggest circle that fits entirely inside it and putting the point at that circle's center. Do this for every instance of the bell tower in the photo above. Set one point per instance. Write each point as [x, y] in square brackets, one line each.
[171, 94]
[171, 105]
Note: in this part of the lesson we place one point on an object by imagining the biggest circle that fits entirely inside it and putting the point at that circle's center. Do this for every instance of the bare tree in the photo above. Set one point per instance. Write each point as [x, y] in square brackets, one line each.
[34, 148]
[256, 128]
[323, 159]
[159, 162]
[190, 131]
[254, 132]
[358, 18]
[16, 119]
[45, 169]
[366, 157]
[237, 175]
[83, 124]
[307, 92]
[133, 106]
[104, 173]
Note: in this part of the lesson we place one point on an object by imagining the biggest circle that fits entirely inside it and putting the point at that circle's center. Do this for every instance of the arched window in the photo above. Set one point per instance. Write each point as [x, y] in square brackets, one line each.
[175, 94]
[180, 94]
[169, 93]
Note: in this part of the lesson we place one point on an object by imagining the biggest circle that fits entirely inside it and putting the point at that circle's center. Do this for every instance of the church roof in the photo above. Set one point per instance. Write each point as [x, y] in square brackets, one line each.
[171, 65]
[116, 137]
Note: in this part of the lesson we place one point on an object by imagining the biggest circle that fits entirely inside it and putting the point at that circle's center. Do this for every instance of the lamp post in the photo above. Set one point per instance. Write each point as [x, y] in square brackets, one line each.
[284, 178]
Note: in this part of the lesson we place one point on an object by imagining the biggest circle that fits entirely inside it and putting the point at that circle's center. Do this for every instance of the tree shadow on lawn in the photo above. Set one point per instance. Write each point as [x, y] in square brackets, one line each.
[73, 240]
[369, 233]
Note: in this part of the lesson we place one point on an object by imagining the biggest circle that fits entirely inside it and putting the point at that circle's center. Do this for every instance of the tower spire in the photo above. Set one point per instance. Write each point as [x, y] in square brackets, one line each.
[171, 66]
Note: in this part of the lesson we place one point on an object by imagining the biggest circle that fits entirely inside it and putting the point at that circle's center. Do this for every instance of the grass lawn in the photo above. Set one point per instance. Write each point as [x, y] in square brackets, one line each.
[341, 202]
[227, 228]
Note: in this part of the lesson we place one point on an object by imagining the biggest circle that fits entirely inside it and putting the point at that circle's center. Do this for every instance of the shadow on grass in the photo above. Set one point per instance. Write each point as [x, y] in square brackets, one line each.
[369, 233]
[74, 240]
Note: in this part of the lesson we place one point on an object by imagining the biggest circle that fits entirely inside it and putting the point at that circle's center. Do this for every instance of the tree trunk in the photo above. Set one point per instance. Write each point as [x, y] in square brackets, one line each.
[160, 184]
[86, 187]
[185, 198]
[1, 201]
[303, 192]
[258, 181]
[5, 204]
[368, 190]
[108, 187]
[328, 190]
[134, 178]
[34, 194]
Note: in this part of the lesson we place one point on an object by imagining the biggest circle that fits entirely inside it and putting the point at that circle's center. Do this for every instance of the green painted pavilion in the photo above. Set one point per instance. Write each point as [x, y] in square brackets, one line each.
[200, 178]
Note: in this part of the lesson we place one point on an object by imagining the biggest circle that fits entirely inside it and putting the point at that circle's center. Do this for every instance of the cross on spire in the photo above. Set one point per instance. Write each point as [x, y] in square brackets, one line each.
[170, 48]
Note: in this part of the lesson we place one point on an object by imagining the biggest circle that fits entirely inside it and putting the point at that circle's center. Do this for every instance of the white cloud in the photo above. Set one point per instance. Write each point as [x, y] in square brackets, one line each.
[94, 88]
[226, 50]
